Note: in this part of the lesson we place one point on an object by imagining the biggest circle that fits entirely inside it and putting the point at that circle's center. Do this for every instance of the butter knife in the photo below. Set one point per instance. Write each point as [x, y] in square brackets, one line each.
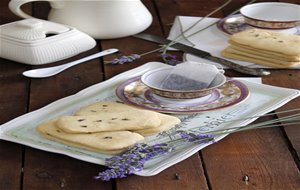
[202, 54]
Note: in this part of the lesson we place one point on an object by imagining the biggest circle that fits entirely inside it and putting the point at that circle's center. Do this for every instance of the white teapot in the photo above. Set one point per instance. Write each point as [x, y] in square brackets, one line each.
[101, 19]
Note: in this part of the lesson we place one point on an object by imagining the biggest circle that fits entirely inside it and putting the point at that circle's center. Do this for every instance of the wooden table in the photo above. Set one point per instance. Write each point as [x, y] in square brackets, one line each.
[268, 157]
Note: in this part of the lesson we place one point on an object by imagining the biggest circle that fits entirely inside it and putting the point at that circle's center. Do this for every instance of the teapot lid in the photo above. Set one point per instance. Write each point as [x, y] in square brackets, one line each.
[31, 29]
[30, 41]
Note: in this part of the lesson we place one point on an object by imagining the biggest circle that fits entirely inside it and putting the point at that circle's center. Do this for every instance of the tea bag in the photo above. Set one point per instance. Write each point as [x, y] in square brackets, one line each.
[190, 76]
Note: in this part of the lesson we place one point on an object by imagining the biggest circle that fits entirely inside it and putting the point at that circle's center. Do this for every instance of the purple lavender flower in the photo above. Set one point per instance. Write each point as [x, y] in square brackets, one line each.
[134, 159]
[125, 59]
[131, 161]
[192, 137]
[170, 59]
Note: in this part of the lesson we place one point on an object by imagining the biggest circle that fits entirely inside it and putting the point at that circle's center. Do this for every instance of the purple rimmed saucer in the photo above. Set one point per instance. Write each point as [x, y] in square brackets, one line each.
[236, 23]
[135, 93]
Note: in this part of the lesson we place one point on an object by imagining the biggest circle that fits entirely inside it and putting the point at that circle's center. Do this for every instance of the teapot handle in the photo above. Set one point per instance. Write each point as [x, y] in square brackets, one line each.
[15, 6]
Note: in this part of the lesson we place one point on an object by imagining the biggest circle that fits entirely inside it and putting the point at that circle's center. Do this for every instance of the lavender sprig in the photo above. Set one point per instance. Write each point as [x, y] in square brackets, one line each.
[125, 59]
[132, 160]
[129, 58]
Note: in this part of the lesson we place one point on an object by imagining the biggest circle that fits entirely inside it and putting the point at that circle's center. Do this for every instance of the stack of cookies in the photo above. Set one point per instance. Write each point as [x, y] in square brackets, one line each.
[107, 127]
[264, 47]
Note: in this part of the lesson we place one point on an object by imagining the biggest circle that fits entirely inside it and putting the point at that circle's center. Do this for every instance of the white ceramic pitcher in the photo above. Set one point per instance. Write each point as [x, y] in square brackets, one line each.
[101, 19]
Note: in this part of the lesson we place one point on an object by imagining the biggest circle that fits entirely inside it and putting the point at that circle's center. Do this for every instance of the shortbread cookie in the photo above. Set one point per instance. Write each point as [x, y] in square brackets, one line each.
[264, 53]
[287, 44]
[106, 142]
[114, 121]
[167, 122]
[255, 60]
[229, 52]
[108, 107]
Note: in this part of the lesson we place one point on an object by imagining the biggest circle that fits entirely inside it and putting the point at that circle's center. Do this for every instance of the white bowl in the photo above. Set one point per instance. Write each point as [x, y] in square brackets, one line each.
[154, 78]
[272, 15]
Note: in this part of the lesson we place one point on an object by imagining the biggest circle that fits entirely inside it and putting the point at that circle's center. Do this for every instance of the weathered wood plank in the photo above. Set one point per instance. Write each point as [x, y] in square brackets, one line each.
[187, 175]
[288, 79]
[7, 16]
[170, 9]
[11, 165]
[261, 155]
[13, 101]
[45, 170]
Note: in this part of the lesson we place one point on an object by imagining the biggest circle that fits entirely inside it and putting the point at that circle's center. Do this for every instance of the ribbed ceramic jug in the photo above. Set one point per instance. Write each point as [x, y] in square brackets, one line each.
[101, 19]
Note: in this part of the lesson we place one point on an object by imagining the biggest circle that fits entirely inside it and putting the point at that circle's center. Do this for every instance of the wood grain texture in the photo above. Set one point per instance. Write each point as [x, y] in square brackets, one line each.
[293, 78]
[187, 175]
[11, 165]
[69, 82]
[268, 157]
[262, 155]
[7, 15]
[170, 9]
[13, 103]
[44, 170]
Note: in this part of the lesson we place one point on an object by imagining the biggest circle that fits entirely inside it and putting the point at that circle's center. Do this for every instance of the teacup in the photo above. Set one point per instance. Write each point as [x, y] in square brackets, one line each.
[272, 15]
[154, 78]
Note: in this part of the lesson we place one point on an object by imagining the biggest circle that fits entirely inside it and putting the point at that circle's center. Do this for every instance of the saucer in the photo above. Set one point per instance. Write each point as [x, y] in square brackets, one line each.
[135, 93]
[236, 23]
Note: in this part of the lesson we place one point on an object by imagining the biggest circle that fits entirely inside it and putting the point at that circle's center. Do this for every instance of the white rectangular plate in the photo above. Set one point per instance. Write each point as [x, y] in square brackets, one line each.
[262, 99]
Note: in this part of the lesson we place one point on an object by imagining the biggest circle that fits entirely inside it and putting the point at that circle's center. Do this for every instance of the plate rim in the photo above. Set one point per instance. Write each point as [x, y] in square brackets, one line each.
[245, 93]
